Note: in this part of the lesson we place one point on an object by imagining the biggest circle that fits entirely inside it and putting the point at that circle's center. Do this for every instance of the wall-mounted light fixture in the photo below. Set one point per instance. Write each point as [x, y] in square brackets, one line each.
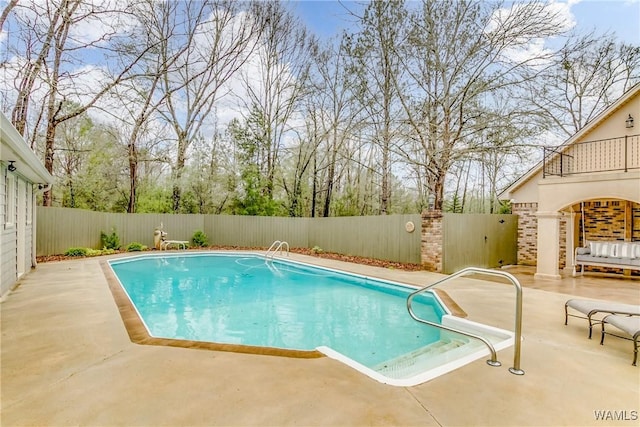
[11, 167]
[629, 122]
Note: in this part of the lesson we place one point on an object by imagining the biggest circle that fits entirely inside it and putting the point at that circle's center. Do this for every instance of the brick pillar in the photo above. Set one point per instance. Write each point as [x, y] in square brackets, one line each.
[432, 240]
[527, 232]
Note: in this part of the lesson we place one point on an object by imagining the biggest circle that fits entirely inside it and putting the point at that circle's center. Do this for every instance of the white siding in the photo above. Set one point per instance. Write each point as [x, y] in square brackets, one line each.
[8, 260]
[16, 228]
[16, 204]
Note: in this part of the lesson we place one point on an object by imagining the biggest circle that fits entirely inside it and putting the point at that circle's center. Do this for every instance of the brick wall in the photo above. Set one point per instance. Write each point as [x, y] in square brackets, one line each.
[432, 240]
[527, 232]
[606, 220]
[603, 220]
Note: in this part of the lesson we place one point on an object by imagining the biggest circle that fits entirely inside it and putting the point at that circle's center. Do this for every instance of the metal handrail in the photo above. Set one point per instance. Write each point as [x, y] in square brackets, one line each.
[518, 326]
[593, 151]
[275, 247]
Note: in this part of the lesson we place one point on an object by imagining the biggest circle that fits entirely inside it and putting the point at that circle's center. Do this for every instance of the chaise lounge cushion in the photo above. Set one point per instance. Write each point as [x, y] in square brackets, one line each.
[587, 307]
[628, 324]
[591, 308]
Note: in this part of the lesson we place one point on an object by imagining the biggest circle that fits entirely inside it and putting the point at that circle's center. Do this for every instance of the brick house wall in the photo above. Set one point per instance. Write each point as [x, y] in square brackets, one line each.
[562, 262]
[604, 220]
[527, 232]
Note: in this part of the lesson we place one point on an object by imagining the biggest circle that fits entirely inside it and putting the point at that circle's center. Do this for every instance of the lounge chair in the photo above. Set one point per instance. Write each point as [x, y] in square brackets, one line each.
[628, 324]
[181, 244]
[589, 308]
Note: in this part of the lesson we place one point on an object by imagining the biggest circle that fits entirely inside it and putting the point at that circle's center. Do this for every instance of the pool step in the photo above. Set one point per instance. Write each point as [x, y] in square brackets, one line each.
[419, 360]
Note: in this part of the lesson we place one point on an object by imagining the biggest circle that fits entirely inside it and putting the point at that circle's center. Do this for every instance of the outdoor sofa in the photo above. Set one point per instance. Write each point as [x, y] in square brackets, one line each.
[613, 254]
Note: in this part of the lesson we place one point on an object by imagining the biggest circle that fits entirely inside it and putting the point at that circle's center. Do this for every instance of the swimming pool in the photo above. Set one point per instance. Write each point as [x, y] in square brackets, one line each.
[242, 300]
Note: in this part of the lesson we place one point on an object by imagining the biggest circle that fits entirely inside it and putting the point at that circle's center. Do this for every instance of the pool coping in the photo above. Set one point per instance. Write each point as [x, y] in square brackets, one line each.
[139, 334]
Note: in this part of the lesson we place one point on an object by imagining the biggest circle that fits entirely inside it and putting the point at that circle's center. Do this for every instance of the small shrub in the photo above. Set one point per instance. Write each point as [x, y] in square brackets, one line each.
[95, 252]
[111, 241]
[76, 252]
[135, 247]
[317, 250]
[199, 239]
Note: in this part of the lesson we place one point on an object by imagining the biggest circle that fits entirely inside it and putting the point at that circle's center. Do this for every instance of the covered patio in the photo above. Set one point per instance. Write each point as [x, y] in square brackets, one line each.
[598, 166]
[67, 360]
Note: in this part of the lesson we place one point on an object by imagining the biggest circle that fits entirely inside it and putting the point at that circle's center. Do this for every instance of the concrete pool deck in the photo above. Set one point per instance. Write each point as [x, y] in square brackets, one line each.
[68, 360]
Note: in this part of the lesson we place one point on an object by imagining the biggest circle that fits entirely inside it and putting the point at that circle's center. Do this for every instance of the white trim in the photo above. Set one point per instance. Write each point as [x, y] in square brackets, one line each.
[15, 149]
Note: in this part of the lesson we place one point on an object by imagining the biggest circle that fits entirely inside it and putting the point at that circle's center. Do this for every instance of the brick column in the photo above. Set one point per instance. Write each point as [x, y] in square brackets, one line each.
[432, 240]
[527, 232]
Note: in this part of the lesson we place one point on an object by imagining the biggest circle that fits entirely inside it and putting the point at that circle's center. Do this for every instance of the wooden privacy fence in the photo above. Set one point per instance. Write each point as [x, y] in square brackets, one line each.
[381, 237]
[463, 240]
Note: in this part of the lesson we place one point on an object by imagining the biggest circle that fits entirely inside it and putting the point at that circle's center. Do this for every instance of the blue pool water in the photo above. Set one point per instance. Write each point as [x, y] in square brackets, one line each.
[243, 300]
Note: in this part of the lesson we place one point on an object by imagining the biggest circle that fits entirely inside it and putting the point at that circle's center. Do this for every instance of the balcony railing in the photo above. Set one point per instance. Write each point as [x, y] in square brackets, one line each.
[605, 155]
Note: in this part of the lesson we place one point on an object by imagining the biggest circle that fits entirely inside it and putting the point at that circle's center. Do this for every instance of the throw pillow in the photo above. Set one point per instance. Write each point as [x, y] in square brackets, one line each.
[626, 250]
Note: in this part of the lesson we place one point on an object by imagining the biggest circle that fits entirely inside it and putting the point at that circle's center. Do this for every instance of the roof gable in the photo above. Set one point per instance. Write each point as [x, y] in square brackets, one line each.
[589, 127]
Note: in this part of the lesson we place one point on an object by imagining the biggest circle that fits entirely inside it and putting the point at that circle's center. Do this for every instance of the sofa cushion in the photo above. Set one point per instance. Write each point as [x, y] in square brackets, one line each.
[590, 259]
[619, 261]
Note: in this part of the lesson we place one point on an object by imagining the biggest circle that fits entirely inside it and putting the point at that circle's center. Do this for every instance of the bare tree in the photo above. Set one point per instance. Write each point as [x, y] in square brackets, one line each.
[376, 60]
[220, 36]
[141, 97]
[459, 56]
[5, 12]
[274, 83]
[73, 145]
[60, 43]
[588, 73]
[38, 30]
[334, 109]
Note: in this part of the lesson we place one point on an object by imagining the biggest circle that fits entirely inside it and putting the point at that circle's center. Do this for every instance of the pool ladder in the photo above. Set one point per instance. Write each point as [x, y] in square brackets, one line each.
[518, 331]
[276, 246]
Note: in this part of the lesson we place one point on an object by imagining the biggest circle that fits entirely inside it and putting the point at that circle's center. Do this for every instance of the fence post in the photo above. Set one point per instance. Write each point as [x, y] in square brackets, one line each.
[432, 240]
